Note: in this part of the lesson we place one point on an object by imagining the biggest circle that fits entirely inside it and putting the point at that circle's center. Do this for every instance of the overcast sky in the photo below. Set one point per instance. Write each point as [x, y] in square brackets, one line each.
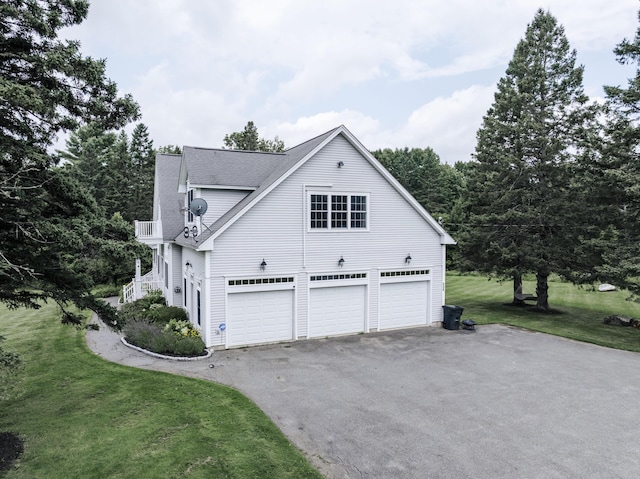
[412, 73]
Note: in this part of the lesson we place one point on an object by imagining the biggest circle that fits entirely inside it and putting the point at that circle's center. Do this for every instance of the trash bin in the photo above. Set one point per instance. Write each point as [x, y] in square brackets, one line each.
[452, 315]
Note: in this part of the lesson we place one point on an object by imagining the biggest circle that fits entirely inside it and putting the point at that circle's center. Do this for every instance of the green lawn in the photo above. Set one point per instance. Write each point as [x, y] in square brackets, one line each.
[581, 310]
[83, 417]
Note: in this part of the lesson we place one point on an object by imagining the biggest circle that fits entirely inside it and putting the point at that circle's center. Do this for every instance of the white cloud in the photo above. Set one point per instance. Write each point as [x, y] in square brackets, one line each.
[402, 73]
[449, 124]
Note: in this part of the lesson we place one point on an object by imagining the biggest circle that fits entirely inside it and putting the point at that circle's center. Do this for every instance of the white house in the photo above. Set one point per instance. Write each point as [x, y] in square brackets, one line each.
[317, 241]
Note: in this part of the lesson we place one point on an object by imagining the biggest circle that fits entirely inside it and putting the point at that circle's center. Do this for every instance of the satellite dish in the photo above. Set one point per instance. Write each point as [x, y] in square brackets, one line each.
[198, 207]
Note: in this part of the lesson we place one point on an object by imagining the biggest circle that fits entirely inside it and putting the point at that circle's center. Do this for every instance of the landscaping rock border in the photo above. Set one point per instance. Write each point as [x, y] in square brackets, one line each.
[163, 356]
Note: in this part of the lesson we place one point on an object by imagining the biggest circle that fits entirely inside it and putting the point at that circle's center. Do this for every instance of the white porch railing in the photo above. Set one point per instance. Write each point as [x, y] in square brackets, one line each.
[148, 230]
[138, 288]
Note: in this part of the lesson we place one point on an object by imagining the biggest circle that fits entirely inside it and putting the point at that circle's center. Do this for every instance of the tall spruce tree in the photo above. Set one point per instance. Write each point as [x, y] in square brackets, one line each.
[521, 215]
[616, 176]
[143, 160]
[46, 217]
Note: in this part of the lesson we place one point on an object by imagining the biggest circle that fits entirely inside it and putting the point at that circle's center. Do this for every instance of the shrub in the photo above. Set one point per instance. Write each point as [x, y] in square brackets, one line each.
[164, 314]
[182, 328]
[107, 290]
[140, 309]
[152, 337]
[191, 346]
[141, 333]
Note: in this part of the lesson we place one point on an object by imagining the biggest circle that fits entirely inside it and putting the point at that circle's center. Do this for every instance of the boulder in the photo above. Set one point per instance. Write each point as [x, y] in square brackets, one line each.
[603, 288]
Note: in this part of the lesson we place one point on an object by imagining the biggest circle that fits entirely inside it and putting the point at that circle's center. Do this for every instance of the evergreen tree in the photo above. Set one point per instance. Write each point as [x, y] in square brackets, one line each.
[615, 176]
[170, 150]
[87, 149]
[143, 163]
[47, 218]
[522, 215]
[120, 182]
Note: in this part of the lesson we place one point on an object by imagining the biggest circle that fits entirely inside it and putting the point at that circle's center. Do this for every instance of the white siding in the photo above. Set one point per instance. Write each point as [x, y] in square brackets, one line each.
[219, 202]
[275, 230]
[175, 299]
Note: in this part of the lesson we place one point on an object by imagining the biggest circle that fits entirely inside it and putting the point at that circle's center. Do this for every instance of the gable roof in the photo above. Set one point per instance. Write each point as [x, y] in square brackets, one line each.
[169, 200]
[291, 160]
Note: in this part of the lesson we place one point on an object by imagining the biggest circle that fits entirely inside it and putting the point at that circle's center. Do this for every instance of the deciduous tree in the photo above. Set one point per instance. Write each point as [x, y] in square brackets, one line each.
[248, 139]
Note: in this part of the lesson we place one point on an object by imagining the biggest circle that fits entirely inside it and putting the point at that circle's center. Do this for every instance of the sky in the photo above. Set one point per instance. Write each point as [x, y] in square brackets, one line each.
[401, 73]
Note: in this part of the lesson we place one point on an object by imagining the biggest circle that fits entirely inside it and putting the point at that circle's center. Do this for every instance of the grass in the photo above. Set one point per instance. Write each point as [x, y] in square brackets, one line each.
[579, 312]
[81, 416]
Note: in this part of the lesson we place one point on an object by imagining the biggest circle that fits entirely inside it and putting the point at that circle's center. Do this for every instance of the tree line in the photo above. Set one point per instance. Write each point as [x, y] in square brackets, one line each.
[552, 186]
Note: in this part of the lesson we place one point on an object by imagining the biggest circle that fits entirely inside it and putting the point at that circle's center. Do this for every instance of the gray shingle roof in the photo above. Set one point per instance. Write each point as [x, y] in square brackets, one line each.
[207, 166]
[167, 170]
[280, 164]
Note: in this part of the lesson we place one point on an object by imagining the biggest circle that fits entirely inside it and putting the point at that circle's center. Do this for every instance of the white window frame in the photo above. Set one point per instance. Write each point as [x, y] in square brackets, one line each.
[330, 217]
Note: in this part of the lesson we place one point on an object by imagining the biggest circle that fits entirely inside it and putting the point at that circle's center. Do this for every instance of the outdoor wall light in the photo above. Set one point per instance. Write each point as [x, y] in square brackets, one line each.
[340, 164]
[341, 262]
[408, 259]
[263, 265]
[188, 264]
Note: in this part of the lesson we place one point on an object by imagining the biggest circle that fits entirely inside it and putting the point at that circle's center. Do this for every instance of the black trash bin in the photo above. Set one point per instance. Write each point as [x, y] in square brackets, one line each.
[451, 316]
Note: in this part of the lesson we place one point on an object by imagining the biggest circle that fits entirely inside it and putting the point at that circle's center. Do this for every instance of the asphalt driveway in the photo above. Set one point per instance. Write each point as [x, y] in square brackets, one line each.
[429, 403]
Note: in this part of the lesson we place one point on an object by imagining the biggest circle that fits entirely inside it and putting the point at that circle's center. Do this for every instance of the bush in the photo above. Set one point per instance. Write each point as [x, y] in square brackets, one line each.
[141, 308]
[192, 346]
[152, 337]
[107, 290]
[165, 314]
[141, 333]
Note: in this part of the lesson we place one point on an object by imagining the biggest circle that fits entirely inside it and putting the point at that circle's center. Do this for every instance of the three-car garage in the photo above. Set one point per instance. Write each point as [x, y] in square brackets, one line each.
[263, 310]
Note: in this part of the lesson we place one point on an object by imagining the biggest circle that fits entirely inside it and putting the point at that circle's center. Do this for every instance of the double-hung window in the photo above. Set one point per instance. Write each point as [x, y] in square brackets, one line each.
[338, 211]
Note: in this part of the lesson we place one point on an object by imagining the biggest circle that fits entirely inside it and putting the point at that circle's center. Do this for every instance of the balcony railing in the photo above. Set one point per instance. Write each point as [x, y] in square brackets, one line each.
[148, 231]
[138, 289]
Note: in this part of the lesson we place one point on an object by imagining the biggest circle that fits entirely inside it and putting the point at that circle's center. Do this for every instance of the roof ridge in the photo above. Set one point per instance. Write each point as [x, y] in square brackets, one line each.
[234, 150]
[314, 138]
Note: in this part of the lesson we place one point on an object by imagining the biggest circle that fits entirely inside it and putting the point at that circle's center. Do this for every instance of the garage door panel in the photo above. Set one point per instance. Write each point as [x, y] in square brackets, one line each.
[259, 317]
[337, 310]
[404, 304]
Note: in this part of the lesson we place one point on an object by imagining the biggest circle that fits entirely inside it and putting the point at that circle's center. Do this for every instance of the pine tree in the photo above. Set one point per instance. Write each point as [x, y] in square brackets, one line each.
[143, 163]
[616, 176]
[521, 213]
[46, 217]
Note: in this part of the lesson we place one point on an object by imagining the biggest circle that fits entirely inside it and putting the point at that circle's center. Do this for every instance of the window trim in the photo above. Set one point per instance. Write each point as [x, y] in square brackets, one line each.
[332, 215]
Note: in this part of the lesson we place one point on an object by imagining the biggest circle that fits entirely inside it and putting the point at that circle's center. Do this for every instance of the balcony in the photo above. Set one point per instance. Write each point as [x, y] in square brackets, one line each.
[149, 232]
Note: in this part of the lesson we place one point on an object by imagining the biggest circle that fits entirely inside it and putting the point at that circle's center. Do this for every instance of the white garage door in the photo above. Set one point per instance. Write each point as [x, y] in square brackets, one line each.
[336, 310]
[404, 305]
[259, 317]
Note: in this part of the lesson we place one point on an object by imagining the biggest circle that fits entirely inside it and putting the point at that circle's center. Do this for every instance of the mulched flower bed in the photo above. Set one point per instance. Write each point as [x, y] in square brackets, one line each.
[11, 446]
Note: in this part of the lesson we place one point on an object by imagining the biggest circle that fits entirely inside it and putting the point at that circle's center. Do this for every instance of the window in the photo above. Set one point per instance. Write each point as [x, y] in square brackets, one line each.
[319, 211]
[358, 211]
[348, 212]
[185, 292]
[198, 307]
[189, 200]
[339, 211]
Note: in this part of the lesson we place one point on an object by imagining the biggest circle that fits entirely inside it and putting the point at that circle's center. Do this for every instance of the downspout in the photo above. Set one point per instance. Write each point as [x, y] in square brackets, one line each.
[304, 227]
